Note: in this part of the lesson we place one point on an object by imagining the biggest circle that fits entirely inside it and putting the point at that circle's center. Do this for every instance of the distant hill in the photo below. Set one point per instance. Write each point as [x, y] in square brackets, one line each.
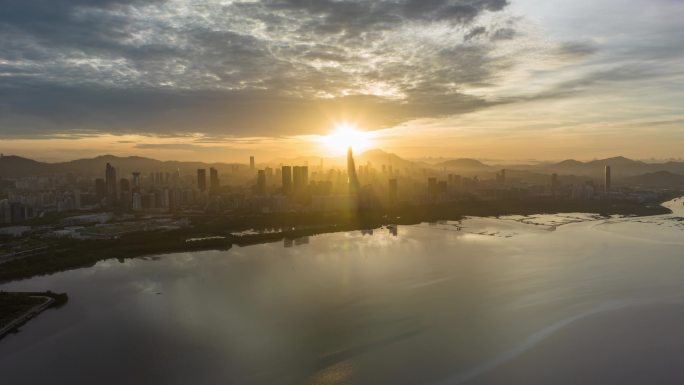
[620, 167]
[379, 157]
[464, 164]
[661, 179]
[15, 166]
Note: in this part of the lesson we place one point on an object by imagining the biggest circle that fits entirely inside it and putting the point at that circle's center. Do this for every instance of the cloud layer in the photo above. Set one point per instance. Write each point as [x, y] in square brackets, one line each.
[270, 67]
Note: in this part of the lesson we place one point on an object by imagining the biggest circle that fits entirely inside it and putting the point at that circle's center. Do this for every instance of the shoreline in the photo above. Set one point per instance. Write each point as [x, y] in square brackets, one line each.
[219, 232]
[51, 300]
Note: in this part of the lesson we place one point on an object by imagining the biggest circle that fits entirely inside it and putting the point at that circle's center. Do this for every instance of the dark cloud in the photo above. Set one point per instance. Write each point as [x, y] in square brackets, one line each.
[475, 32]
[503, 34]
[274, 67]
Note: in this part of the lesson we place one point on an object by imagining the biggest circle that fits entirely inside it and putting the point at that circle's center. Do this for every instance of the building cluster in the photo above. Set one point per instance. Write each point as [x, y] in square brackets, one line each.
[286, 188]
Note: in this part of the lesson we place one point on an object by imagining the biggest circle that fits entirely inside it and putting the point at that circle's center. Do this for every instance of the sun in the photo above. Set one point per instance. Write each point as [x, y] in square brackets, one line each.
[346, 135]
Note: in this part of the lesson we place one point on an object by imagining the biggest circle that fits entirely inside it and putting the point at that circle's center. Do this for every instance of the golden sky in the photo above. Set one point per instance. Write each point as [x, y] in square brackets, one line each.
[222, 80]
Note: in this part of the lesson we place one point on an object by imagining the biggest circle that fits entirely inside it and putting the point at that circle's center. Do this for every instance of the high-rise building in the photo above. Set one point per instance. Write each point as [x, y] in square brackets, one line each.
[202, 179]
[300, 178]
[110, 184]
[261, 182]
[136, 182]
[213, 180]
[351, 173]
[287, 179]
[136, 202]
[432, 187]
[607, 179]
[251, 162]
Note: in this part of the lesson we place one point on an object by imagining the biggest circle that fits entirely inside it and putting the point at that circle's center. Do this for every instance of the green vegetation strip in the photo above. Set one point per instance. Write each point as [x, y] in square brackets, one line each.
[67, 254]
[15, 304]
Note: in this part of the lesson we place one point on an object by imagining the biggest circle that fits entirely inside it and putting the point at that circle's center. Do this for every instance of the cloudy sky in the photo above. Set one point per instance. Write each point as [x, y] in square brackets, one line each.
[221, 79]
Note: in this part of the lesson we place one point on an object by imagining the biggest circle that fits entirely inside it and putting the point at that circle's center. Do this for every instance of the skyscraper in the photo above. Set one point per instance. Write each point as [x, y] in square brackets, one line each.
[202, 179]
[213, 180]
[251, 162]
[287, 179]
[136, 182]
[607, 179]
[261, 182]
[351, 173]
[432, 187]
[300, 178]
[110, 184]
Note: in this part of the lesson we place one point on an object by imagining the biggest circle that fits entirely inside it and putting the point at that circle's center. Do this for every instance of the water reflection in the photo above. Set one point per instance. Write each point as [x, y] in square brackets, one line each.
[482, 301]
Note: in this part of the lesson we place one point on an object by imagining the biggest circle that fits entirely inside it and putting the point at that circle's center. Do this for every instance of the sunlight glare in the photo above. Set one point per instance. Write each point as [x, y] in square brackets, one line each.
[344, 136]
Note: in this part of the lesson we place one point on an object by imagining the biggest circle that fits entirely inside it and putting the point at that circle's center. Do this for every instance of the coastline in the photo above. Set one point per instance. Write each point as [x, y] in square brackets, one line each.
[14, 299]
[224, 232]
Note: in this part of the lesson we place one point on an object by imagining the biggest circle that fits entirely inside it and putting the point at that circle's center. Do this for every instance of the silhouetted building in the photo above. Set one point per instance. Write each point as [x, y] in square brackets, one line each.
[136, 201]
[300, 177]
[287, 179]
[261, 182]
[110, 184]
[432, 187]
[251, 163]
[213, 180]
[202, 179]
[607, 179]
[136, 182]
[353, 179]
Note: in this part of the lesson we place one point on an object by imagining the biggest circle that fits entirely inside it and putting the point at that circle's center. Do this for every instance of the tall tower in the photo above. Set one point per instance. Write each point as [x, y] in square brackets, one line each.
[300, 178]
[202, 179]
[136, 182]
[607, 179]
[213, 180]
[287, 179]
[110, 184]
[261, 182]
[351, 173]
[251, 162]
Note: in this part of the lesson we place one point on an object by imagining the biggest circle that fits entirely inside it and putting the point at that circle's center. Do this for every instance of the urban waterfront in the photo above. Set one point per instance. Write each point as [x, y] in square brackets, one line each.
[569, 298]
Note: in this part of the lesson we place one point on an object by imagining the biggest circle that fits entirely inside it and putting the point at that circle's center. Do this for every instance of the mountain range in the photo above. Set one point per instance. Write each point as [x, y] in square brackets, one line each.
[621, 167]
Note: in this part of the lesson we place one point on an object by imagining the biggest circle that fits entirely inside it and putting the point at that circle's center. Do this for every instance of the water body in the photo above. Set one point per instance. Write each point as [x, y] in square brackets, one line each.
[547, 299]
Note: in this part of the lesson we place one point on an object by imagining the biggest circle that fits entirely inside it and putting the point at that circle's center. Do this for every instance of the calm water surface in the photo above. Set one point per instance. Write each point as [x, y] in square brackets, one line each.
[549, 299]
